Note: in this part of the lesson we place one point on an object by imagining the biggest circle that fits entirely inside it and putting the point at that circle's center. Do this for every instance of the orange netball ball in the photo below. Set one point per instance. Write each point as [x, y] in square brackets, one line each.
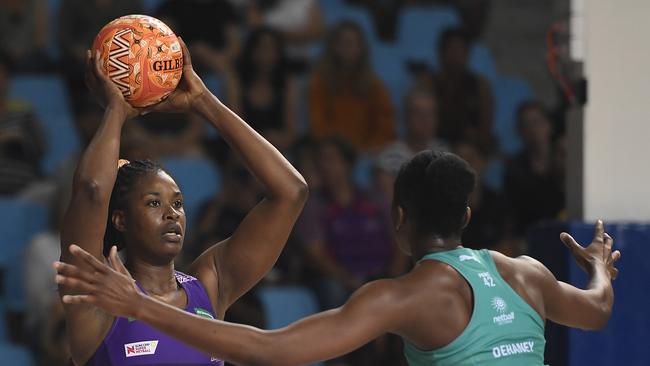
[142, 56]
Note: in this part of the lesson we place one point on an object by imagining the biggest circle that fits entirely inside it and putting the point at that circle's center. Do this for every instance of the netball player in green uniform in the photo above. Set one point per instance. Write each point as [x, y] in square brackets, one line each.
[456, 307]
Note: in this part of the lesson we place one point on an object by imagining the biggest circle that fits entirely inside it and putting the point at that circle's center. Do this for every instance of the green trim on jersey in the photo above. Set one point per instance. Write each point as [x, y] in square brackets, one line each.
[503, 330]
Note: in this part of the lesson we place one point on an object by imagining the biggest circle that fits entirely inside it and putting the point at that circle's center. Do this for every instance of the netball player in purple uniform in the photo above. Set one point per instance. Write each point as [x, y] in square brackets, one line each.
[139, 208]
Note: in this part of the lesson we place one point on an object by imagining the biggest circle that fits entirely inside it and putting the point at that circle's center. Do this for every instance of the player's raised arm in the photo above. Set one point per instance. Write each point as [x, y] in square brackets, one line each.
[588, 308]
[232, 267]
[373, 310]
[86, 218]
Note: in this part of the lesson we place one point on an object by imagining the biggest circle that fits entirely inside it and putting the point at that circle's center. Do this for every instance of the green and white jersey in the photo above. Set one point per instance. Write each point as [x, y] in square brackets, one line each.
[503, 329]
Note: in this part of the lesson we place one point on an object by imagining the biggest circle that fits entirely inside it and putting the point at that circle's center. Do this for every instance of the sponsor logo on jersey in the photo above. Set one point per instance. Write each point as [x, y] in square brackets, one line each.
[140, 348]
[510, 349]
[464, 258]
[501, 307]
[203, 313]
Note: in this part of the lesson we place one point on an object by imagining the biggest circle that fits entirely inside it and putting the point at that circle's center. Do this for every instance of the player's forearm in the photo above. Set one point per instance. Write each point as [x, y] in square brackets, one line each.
[235, 343]
[280, 179]
[97, 167]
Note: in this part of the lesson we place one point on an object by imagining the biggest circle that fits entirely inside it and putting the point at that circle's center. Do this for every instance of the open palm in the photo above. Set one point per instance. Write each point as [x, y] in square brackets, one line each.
[599, 252]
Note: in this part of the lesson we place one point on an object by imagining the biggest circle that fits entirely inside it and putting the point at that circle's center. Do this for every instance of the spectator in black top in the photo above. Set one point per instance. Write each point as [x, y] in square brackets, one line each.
[465, 98]
[488, 227]
[261, 88]
[209, 27]
[533, 182]
[21, 139]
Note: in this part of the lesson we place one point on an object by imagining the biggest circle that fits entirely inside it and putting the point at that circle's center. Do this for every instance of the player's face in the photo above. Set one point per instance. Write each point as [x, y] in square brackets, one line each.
[154, 219]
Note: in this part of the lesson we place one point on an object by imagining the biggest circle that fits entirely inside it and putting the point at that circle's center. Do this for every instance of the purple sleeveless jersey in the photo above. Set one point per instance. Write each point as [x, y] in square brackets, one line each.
[131, 342]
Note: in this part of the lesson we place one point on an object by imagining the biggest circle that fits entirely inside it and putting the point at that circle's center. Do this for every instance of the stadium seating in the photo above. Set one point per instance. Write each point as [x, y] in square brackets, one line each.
[388, 63]
[15, 355]
[49, 97]
[197, 178]
[509, 92]
[482, 62]
[418, 31]
[286, 304]
[23, 220]
[332, 10]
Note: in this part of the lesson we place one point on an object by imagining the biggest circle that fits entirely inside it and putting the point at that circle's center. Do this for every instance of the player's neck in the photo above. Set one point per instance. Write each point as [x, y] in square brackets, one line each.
[434, 244]
[156, 280]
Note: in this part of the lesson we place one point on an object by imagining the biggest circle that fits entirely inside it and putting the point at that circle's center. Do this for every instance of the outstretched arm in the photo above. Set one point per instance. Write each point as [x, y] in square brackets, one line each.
[86, 217]
[232, 267]
[588, 308]
[372, 311]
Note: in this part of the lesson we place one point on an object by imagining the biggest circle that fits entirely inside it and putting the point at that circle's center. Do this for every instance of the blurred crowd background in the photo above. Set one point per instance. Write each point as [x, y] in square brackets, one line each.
[347, 89]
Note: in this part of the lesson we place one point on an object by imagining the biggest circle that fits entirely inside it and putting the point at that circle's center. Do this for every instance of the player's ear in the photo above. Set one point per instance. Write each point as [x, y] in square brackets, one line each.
[466, 217]
[118, 220]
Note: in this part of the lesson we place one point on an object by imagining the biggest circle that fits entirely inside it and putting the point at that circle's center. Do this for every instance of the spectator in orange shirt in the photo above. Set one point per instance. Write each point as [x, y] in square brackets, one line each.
[346, 97]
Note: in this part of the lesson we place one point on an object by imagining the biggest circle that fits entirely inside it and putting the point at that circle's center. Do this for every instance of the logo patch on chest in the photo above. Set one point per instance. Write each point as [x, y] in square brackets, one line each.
[140, 348]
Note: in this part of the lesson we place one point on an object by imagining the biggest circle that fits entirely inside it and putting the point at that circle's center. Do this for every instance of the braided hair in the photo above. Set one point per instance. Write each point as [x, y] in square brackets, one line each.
[433, 188]
[128, 175]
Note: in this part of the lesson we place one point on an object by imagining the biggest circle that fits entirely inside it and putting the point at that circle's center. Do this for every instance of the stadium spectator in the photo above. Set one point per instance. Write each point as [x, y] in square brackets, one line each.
[421, 124]
[262, 90]
[21, 139]
[79, 22]
[42, 314]
[23, 33]
[300, 21]
[346, 232]
[533, 184]
[210, 29]
[346, 97]
[465, 98]
[489, 227]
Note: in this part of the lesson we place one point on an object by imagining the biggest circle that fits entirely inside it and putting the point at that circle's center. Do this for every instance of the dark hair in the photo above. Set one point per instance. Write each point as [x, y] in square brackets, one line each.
[526, 106]
[247, 69]
[342, 146]
[433, 188]
[451, 34]
[128, 175]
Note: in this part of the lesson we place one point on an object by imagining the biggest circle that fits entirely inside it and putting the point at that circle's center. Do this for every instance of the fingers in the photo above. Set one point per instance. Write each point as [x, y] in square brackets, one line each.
[599, 231]
[87, 258]
[608, 241]
[69, 270]
[570, 242]
[78, 299]
[75, 284]
[98, 67]
[116, 262]
[187, 59]
[616, 256]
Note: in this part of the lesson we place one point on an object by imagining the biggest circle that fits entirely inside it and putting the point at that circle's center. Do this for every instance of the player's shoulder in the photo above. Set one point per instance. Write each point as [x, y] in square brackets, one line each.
[523, 267]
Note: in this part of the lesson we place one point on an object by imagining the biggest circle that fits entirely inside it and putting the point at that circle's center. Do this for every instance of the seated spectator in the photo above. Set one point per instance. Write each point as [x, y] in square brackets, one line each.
[421, 123]
[346, 97]
[465, 98]
[299, 21]
[171, 134]
[262, 91]
[23, 33]
[21, 140]
[42, 316]
[79, 22]
[346, 232]
[489, 227]
[210, 29]
[533, 184]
